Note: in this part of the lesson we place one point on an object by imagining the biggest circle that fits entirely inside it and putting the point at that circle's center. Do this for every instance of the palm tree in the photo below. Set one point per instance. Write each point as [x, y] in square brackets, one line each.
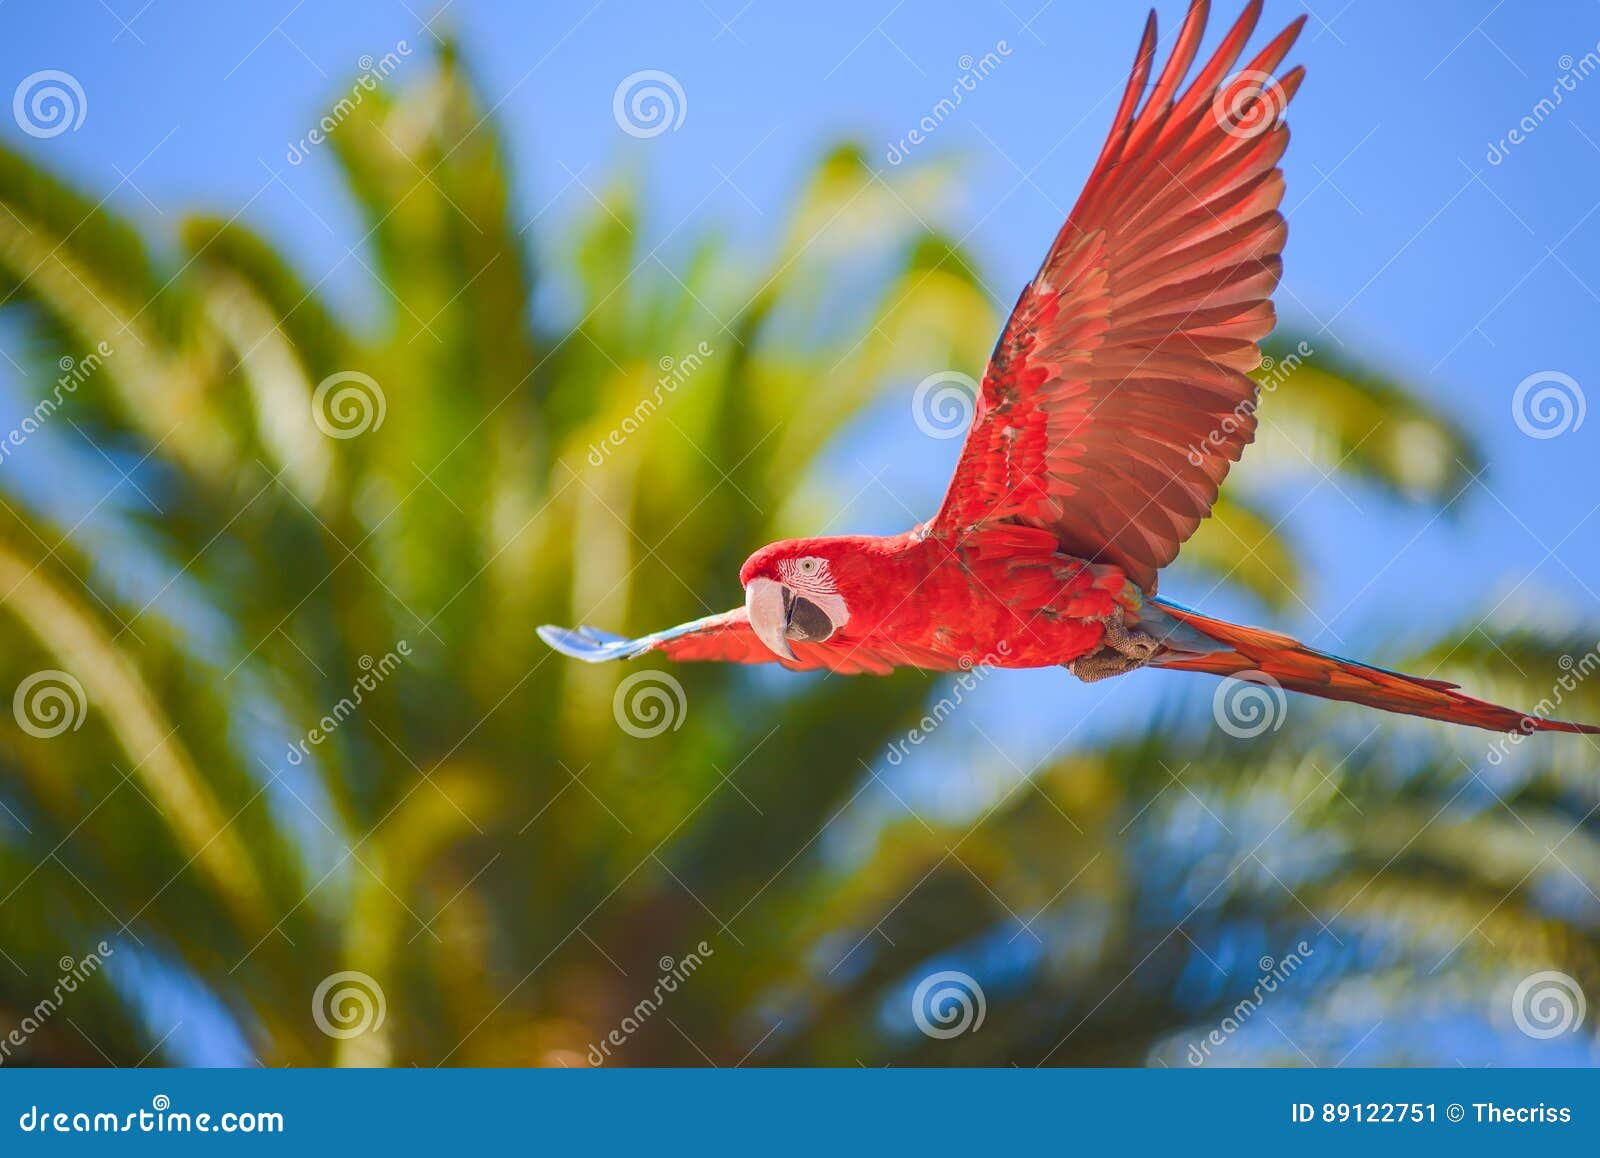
[292, 767]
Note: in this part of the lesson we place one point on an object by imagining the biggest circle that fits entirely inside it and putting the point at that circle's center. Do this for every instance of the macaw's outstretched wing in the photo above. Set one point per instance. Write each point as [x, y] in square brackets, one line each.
[729, 638]
[725, 638]
[1117, 396]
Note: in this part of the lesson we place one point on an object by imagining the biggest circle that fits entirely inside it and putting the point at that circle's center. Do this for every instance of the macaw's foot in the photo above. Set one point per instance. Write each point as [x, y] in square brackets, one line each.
[1102, 664]
[1131, 644]
[1121, 651]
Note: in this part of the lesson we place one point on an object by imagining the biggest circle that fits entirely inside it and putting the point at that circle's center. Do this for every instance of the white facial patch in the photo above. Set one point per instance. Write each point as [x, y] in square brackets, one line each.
[812, 578]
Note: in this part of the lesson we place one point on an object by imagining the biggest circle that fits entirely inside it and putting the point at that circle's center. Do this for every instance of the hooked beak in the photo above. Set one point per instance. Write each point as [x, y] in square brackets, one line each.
[778, 615]
[768, 603]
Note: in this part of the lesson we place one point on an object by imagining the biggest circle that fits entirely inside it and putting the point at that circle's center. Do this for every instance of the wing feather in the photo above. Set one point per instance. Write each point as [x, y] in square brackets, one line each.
[729, 638]
[1118, 395]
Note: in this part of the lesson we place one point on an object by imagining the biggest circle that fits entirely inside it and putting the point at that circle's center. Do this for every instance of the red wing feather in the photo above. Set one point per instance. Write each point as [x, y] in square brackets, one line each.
[729, 638]
[1117, 397]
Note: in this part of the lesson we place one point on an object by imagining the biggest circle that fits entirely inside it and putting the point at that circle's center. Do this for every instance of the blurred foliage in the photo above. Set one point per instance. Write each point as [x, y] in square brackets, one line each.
[481, 838]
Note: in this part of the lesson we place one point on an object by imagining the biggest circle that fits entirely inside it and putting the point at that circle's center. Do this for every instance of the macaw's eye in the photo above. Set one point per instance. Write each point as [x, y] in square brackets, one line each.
[808, 566]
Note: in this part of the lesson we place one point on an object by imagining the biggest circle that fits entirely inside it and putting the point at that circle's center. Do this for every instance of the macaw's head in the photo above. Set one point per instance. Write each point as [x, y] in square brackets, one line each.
[799, 589]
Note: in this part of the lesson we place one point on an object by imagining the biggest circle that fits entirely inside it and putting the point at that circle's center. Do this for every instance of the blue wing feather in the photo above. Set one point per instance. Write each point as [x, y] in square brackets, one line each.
[592, 645]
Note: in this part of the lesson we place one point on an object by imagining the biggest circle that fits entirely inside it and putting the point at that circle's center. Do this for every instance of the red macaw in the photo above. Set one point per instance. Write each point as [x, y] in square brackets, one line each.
[1113, 406]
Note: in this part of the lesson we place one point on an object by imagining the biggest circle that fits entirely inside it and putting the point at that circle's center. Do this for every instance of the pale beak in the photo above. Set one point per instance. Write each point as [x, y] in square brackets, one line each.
[765, 602]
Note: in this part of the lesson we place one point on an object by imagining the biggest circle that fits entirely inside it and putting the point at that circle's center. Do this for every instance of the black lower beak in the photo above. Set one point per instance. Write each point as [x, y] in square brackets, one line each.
[803, 619]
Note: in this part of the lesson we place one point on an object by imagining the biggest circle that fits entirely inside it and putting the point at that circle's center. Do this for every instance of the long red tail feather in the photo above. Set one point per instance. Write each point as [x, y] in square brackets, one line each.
[1298, 668]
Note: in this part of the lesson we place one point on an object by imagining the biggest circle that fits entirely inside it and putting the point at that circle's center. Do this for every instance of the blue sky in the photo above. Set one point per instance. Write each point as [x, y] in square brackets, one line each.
[1408, 246]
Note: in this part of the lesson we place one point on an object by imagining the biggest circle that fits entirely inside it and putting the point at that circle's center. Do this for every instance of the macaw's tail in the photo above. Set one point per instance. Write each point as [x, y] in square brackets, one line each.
[1299, 668]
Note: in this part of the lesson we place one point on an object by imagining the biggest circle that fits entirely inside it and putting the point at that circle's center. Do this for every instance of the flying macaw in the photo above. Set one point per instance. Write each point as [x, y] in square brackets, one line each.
[1113, 406]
